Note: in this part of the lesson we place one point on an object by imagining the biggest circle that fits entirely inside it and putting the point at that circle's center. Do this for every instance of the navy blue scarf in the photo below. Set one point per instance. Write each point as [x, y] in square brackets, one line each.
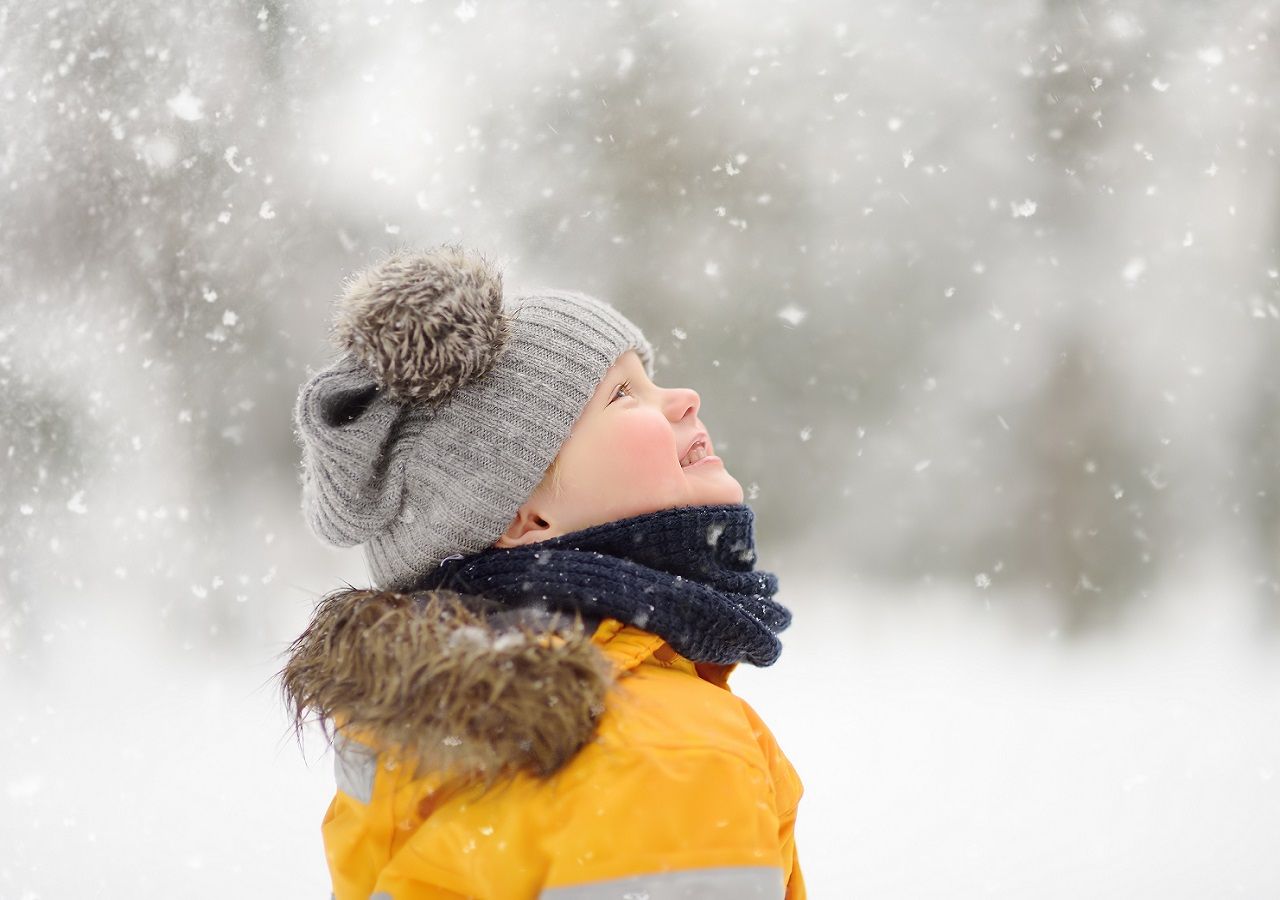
[685, 574]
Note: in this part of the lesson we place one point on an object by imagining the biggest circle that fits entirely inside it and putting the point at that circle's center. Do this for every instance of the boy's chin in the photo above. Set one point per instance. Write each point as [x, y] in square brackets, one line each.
[726, 490]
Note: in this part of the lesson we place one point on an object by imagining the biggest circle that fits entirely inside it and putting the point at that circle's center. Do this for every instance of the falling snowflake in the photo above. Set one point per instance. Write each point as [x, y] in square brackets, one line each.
[1025, 209]
[1210, 56]
[186, 105]
[792, 314]
[1134, 268]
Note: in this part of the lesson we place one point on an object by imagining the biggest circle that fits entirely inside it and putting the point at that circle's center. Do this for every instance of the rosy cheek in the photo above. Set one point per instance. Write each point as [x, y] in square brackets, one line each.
[647, 448]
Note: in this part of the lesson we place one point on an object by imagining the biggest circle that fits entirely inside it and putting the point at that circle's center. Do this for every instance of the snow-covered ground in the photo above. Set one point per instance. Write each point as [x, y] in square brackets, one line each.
[944, 753]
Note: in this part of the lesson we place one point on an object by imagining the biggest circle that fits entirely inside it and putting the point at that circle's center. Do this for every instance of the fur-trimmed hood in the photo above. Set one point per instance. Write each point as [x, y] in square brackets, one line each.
[455, 683]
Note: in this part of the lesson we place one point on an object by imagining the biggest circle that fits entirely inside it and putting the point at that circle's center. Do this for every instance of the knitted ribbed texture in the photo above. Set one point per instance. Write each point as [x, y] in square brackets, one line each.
[685, 574]
[416, 482]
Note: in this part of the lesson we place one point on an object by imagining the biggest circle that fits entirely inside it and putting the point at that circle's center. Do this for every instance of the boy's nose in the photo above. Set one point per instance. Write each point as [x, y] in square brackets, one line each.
[682, 402]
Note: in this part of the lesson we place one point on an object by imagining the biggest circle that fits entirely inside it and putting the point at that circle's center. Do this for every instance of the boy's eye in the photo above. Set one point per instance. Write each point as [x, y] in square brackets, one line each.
[622, 387]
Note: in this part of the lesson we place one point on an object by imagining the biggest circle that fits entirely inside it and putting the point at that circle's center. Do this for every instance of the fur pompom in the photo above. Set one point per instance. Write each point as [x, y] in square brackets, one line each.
[423, 322]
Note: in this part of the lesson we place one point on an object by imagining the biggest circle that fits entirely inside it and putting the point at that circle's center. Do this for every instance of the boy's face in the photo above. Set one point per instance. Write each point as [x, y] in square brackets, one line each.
[623, 458]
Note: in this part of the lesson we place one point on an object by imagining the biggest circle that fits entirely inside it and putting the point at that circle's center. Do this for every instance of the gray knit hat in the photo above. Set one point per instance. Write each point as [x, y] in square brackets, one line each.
[447, 405]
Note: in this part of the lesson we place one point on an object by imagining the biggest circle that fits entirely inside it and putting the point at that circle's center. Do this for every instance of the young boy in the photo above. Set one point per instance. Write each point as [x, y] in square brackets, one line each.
[533, 700]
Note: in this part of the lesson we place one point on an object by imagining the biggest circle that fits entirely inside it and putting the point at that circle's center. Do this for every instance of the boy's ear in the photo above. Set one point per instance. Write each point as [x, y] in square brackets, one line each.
[526, 528]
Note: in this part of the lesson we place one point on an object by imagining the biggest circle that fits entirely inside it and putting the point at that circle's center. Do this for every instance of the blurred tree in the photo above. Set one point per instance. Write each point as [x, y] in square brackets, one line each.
[41, 525]
[1084, 533]
[157, 131]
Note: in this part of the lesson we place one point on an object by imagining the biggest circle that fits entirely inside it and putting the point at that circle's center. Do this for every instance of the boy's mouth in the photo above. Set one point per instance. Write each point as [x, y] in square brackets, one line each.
[698, 450]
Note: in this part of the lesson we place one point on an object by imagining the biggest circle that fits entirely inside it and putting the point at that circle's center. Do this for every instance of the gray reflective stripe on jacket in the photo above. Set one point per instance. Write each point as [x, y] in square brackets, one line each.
[354, 768]
[721, 883]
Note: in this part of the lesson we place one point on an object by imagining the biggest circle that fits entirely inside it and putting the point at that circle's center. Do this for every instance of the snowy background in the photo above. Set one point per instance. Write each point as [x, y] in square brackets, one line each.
[982, 300]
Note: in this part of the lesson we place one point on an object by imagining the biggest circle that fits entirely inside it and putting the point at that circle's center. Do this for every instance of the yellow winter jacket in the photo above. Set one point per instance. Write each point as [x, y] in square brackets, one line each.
[672, 786]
